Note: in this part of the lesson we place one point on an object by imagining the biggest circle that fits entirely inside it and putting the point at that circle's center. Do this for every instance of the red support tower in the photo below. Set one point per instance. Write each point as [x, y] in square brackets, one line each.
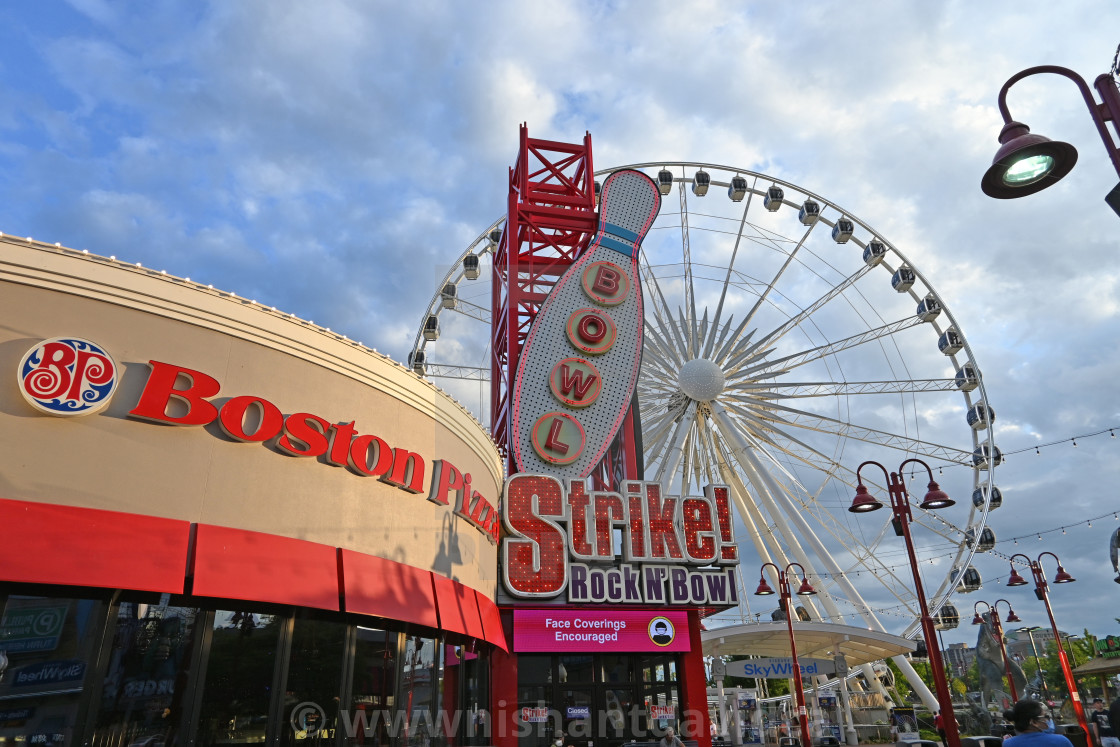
[551, 215]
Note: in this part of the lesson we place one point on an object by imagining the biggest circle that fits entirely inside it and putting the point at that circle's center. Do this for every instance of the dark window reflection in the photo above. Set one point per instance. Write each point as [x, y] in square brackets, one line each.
[311, 696]
[49, 645]
[534, 668]
[375, 686]
[466, 696]
[576, 668]
[418, 694]
[239, 673]
[149, 669]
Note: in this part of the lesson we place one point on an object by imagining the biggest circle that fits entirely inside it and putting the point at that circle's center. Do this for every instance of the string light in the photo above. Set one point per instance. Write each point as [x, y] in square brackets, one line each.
[1037, 448]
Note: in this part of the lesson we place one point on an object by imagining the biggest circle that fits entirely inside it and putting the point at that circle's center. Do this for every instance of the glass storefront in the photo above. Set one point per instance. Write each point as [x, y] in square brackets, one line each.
[140, 702]
[604, 699]
[121, 670]
[48, 653]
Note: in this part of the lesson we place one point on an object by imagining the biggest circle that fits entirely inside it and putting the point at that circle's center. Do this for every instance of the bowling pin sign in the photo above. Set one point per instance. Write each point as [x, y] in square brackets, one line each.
[579, 366]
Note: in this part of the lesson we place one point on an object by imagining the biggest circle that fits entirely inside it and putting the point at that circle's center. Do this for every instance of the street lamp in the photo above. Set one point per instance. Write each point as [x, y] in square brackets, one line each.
[806, 589]
[997, 630]
[900, 505]
[1037, 662]
[1027, 163]
[1041, 590]
[1069, 648]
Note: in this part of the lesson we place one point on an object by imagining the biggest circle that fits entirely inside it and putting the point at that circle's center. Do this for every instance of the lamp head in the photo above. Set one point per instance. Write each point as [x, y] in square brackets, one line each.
[977, 620]
[763, 589]
[1061, 577]
[936, 498]
[1026, 163]
[864, 501]
[1015, 579]
[806, 589]
[1012, 617]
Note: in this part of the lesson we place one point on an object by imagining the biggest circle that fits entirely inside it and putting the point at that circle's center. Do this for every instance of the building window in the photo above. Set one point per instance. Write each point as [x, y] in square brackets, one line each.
[237, 693]
[142, 696]
[49, 646]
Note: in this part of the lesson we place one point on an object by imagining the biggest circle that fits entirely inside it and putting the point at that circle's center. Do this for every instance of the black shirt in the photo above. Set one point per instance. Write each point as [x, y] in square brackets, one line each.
[1104, 724]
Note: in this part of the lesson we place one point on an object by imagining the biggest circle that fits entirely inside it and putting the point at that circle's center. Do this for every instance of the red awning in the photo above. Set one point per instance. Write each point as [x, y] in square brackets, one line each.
[386, 588]
[492, 622]
[52, 544]
[238, 564]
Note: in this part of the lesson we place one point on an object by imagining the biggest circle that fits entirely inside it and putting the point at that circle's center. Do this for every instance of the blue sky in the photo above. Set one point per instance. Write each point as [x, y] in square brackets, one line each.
[333, 158]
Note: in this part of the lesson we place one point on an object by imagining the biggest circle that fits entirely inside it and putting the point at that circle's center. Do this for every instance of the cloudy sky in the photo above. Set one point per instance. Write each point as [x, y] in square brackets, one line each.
[333, 158]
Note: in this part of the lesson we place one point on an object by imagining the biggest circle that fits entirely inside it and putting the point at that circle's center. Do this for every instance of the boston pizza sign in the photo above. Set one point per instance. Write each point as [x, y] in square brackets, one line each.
[70, 376]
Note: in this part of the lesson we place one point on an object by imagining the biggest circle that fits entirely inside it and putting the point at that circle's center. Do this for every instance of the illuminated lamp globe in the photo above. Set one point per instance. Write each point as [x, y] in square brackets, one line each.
[864, 501]
[936, 498]
[701, 380]
[1026, 163]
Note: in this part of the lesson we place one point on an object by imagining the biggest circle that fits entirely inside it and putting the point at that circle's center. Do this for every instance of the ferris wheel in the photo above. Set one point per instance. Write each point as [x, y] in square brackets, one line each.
[786, 342]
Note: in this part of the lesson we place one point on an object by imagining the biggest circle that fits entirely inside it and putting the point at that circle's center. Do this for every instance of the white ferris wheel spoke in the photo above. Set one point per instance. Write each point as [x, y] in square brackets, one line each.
[816, 306]
[785, 364]
[797, 389]
[821, 423]
[789, 260]
[727, 278]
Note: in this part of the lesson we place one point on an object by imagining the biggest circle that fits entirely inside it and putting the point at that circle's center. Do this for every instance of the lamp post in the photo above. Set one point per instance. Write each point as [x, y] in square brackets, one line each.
[1041, 590]
[900, 506]
[1069, 648]
[805, 589]
[997, 630]
[1037, 662]
[1026, 163]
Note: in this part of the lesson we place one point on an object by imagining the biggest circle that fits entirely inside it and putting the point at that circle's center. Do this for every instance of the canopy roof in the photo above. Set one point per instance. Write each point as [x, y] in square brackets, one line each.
[1099, 665]
[814, 639]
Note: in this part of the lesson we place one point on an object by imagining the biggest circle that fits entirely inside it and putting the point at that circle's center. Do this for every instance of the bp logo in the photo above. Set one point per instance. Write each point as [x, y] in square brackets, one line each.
[67, 376]
[661, 631]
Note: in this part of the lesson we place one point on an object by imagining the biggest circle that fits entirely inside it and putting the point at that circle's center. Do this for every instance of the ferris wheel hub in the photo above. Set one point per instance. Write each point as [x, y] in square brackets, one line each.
[701, 379]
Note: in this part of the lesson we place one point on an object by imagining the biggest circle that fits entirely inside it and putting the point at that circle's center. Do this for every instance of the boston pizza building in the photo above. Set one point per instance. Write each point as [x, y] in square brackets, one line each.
[223, 525]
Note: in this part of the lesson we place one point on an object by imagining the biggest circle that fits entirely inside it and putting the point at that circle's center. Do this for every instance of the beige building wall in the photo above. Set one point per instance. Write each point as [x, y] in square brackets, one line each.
[109, 460]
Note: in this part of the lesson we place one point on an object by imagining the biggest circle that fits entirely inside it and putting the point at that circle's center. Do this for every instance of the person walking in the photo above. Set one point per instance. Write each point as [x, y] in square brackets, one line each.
[1034, 726]
[1104, 733]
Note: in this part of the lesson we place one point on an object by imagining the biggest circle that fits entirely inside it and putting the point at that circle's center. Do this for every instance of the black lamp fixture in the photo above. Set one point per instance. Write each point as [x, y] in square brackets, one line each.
[1027, 163]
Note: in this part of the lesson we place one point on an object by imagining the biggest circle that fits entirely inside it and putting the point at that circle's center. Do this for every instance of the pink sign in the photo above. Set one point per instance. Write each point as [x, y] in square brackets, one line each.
[596, 630]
